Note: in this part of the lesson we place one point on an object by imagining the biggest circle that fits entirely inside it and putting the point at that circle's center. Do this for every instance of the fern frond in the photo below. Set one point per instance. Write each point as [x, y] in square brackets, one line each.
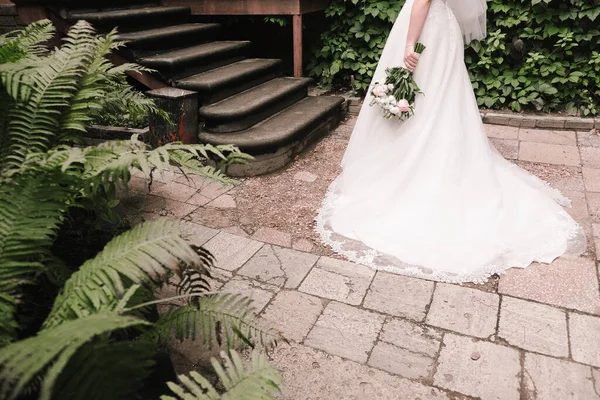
[31, 211]
[8, 324]
[27, 42]
[53, 81]
[142, 255]
[259, 381]
[222, 318]
[51, 350]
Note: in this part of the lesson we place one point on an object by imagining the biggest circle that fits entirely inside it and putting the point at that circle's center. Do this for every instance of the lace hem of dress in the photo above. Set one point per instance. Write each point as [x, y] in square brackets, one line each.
[369, 257]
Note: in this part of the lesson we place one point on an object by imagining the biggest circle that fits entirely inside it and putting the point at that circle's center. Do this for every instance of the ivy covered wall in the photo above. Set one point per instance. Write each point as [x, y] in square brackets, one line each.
[539, 54]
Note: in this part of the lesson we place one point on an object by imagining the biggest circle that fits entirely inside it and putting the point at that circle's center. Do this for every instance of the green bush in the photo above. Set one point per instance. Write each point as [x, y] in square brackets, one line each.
[539, 55]
[91, 329]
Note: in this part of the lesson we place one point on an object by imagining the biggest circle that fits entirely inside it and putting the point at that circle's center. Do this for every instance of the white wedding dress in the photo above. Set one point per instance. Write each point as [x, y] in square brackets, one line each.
[431, 197]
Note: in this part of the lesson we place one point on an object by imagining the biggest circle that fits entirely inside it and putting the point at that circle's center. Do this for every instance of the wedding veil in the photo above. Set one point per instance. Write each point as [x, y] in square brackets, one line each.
[472, 18]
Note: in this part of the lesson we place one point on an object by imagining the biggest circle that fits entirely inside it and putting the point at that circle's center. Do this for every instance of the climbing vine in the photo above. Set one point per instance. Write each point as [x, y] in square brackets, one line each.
[539, 55]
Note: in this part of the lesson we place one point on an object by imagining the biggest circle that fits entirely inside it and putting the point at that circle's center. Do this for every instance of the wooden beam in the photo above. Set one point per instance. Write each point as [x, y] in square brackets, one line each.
[250, 7]
[297, 45]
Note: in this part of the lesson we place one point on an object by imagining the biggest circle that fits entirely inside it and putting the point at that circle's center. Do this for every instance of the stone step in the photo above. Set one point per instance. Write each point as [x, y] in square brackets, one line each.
[220, 83]
[169, 36]
[295, 126]
[130, 19]
[247, 108]
[195, 59]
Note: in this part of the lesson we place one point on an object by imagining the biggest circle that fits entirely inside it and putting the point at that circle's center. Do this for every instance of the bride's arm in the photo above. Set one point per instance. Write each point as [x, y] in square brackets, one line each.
[418, 16]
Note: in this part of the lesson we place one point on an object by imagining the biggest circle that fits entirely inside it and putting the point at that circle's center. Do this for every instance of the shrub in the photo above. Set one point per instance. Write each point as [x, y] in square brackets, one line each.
[95, 333]
[539, 55]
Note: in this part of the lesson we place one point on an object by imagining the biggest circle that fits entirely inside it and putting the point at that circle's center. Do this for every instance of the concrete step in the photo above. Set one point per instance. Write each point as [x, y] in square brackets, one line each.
[295, 126]
[220, 83]
[195, 59]
[247, 108]
[127, 20]
[169, 36]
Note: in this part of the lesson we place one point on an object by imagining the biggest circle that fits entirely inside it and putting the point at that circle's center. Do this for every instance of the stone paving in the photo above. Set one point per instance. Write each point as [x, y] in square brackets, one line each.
[360, 334]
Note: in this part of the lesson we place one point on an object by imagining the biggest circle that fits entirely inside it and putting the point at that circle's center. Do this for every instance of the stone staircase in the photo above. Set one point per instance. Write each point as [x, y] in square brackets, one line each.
[243, 100]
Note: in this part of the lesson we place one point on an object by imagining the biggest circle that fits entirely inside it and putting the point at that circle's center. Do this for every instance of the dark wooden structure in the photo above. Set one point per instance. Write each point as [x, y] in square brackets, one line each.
[295, 8]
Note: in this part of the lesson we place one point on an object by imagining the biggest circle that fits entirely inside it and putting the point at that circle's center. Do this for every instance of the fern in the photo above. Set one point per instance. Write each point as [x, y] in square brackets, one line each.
[257, 382]
[222, 318]
[15, 46]
[50, 351]
[143, 255]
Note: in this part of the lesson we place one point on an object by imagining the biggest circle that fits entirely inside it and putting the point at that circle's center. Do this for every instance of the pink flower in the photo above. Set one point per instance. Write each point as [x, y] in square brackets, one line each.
[403, 105]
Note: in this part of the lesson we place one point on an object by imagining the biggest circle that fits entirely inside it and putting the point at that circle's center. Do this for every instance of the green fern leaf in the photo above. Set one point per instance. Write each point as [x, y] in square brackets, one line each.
[260, 381]
[51, 350]
[144, 254]
[218, 318]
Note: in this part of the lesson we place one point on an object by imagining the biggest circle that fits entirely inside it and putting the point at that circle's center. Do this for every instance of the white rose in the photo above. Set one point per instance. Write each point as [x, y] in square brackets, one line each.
[390, 86]
[394, 110]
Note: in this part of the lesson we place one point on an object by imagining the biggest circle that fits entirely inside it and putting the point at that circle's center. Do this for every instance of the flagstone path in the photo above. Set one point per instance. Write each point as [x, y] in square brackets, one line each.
[360, 334]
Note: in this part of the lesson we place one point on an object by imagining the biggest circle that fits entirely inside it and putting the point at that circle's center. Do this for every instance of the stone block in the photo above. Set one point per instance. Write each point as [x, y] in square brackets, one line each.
[338, 280]
[550, 122]
[260, 293]
[591, 179]
[497, 119]
[579, 123]
[293, 313]
[346, 331]
[567, 138]
[568, 283]
[590, 157]
[313, 374]
[279, 266]
[549, 153]
[273, 236]
[464, 310]
[552, 379]
[508, 148]
[399, 361]
[584, 331]
[399, 295]
[502, 132]
[230, 251]
[479, 369]
[534, 327]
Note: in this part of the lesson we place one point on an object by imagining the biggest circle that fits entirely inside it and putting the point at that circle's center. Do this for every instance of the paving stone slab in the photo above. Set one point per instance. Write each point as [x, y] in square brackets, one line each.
[464, 310]
[338, 280]
[293, 313]
[399, 361]
[591, 178]
[584, 331]
[346, 331]
[196, 234]
[590, 157]
[549, 153]
[174, 191]
[587, 139]
[273, 236]
[303, 245]
[568, 283]
[551, 379]
[198, 199]
[534, 327]
[230, 251]
[399, 295]
[508, 148]
[493, 375]
[260, 293]
[310, 374]
[502, 132]
[225, 201]
[545, 136]
[279, 266]
[407, 349]
[414, 337]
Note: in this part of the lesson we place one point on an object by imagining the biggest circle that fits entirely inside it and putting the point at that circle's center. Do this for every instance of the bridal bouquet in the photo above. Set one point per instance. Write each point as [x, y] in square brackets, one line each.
[396, 96]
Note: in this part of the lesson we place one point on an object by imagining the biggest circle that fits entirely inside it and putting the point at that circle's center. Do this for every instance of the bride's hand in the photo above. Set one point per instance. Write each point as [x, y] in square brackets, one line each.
[411, 59]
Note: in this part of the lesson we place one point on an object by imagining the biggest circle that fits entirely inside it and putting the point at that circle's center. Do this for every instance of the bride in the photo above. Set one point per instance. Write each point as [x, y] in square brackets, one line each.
[430, 197]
